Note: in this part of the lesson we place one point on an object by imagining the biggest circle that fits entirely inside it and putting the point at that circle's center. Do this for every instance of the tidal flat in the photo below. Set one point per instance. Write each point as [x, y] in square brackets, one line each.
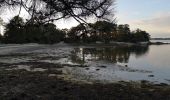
[77, 72]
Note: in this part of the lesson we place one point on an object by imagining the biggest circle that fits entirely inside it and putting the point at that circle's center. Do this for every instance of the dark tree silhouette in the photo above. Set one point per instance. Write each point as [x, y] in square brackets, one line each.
[16, 32]
[75, 33]
[104, 30]
[123, 33]
[44, 11]
[140, 36]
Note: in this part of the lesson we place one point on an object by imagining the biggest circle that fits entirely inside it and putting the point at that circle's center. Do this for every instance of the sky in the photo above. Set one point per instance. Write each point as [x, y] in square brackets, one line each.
[152, 16]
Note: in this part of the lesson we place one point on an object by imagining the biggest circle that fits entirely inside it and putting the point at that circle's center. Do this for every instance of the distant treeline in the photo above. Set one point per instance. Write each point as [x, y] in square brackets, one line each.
[18, 31]
[160, 38]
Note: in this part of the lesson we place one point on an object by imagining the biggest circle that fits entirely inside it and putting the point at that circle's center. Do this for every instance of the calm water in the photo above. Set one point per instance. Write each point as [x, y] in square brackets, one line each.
[150, 63]
[96, 63]
[164, 41]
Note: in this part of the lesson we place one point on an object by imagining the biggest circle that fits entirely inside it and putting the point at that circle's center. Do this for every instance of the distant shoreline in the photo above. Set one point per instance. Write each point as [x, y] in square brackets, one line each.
[160, 38]
[99, 44]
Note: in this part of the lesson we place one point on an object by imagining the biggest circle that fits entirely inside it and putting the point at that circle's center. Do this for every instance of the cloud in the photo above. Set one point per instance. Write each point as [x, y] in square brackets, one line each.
[157, 25]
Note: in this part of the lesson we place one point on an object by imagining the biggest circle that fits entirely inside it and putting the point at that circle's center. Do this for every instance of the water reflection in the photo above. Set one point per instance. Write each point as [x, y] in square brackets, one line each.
[118, 54]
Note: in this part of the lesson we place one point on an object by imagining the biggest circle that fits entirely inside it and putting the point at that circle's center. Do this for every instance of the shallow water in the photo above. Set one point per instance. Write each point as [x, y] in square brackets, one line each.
[137, 63]
[104, 64]
[157, 60]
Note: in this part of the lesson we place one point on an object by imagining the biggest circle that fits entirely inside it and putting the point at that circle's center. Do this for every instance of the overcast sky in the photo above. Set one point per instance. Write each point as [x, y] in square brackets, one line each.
[150, 15]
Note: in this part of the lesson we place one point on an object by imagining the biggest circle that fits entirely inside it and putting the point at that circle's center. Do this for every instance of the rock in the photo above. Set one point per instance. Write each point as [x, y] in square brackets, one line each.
[102, 66]
[163, 84]
[150, 75]
[52, 75]
[87, 68]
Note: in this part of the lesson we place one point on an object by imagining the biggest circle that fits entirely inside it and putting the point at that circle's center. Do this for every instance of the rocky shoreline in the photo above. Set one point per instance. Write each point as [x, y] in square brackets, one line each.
[24, 85]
